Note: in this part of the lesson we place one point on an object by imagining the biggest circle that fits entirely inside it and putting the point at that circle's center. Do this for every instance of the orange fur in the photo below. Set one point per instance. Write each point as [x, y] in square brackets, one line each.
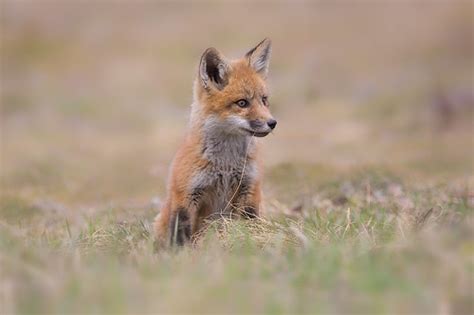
[216, 171]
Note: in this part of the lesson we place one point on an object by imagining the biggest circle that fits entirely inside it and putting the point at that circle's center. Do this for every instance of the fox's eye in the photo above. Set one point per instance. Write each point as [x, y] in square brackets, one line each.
[265, 100]
[242, 103]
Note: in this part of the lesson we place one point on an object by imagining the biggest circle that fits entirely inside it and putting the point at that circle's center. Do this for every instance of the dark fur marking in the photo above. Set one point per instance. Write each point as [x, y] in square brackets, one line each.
[196, 195]
[183, 233]
[213, 62]
[249, 213]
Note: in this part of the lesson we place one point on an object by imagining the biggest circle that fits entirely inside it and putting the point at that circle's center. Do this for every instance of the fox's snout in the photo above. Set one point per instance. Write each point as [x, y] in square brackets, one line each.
[261, 128]
[261, 124]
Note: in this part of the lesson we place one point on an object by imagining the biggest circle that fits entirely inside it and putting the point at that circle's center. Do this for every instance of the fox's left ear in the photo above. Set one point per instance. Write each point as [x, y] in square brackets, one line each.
[259, 57]
[213, 69]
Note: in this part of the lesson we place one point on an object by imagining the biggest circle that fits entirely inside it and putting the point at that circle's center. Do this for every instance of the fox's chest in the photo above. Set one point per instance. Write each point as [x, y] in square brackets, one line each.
[218, 187]
[224, 179]
[228, 173]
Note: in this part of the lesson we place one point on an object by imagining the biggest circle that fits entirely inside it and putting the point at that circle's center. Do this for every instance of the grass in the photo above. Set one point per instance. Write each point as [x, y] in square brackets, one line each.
[391, 250]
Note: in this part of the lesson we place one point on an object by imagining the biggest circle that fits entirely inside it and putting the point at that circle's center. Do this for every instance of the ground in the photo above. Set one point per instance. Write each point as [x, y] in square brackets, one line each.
[368, 176]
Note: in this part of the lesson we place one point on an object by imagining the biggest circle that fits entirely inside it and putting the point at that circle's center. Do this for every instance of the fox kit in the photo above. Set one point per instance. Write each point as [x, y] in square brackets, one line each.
[216, 172]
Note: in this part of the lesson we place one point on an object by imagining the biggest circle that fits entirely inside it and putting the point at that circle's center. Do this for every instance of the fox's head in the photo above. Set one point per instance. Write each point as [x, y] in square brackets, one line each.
[232, 95]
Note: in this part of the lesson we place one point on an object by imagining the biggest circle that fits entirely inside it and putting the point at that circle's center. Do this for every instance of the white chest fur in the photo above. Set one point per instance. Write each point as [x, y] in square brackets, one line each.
[229, 169]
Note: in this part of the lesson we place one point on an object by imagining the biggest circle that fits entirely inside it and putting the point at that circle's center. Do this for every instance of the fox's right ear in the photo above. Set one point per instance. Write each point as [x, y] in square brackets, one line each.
[259, 57]
[213, 69]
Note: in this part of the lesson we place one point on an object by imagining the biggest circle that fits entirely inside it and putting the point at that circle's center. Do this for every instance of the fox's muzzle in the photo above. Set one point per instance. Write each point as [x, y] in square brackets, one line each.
[261, 128]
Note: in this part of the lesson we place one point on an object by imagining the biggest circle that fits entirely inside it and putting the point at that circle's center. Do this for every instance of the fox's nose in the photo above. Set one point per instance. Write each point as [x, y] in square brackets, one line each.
[272, 123]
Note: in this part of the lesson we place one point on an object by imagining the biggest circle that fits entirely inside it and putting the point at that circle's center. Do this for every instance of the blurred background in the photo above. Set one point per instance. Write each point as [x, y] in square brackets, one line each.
[374, 102]
[95, 96]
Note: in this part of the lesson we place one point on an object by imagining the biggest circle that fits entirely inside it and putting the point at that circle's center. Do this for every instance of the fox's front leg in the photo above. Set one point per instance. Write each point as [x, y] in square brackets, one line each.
[174, 225]
[179, 230]
[185, 219]
[249, 201]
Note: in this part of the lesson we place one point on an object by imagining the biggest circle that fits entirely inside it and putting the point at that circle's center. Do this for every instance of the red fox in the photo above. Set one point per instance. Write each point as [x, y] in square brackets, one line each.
[216, 172]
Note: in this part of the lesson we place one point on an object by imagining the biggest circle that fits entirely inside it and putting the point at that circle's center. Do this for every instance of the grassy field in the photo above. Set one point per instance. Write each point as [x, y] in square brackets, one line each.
[369, 180]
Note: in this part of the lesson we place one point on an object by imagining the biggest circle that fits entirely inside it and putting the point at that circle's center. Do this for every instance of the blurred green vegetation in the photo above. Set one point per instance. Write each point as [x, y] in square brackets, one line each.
[368, 183]
[360, 256]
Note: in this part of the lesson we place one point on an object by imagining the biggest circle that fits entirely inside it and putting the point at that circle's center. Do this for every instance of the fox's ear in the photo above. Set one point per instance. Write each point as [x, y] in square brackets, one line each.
[213, 69]
[259, 57]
